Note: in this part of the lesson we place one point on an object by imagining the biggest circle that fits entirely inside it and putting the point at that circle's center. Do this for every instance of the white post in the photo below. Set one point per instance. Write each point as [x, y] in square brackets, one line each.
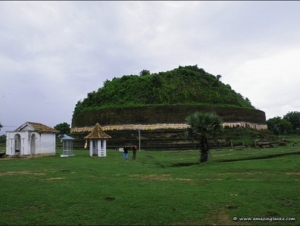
[91, 147]
[104, 147]
[99, 148]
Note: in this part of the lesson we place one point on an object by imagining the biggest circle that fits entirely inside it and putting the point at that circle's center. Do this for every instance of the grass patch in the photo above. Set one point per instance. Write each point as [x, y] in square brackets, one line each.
[85, 190]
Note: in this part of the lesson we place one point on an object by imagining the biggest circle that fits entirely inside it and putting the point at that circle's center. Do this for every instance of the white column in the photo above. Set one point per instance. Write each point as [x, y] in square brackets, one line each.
[91, 147]
[104, 147]
[22, 146]
[9, 149]
[13, 148]
[99, 148]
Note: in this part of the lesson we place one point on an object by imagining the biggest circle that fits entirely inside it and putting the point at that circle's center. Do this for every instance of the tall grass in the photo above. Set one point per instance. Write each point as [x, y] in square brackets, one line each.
[158, 188]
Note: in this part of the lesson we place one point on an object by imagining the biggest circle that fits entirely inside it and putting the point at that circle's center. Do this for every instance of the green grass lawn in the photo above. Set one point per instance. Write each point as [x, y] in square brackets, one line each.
[158, 188]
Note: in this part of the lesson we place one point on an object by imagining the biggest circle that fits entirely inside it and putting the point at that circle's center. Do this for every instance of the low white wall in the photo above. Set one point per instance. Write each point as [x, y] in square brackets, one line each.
[47, 144]
[166, 126]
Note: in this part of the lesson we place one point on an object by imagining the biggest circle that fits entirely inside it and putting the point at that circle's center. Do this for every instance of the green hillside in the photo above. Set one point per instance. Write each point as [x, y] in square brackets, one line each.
[187, 85]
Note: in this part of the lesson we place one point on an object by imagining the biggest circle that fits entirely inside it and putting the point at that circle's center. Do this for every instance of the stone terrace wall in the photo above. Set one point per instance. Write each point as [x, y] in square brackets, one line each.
[159, 115]
[161, 127]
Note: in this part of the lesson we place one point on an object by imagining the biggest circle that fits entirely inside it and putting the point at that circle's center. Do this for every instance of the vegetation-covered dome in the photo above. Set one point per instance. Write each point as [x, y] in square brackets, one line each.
[187, 85]
[157, 104]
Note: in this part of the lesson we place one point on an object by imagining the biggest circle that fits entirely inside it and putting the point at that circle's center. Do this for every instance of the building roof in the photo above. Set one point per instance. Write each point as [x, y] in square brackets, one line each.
[97, 133]
[34, 126]
[66, 137]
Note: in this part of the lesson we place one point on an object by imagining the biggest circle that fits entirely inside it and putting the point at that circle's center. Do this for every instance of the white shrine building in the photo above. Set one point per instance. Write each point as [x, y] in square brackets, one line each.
[97, 141]
[31, 138]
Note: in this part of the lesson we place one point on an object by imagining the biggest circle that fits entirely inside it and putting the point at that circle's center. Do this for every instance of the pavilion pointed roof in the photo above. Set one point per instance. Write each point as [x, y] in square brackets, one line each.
[97, 133]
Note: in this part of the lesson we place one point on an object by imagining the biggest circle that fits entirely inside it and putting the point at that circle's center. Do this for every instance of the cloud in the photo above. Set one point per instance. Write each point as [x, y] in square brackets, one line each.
[54, 53]
[270, 82]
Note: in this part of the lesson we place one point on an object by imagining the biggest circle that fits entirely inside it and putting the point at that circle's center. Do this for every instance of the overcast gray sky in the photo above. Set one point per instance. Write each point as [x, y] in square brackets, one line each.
[53, 53]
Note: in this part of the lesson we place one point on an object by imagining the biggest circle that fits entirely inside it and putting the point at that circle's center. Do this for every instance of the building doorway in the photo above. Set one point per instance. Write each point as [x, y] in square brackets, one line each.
[17, 144]
[32, 144]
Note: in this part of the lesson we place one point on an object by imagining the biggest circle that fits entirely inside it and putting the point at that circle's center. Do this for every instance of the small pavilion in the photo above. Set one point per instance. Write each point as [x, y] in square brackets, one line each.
[97, 138]
[67, 146]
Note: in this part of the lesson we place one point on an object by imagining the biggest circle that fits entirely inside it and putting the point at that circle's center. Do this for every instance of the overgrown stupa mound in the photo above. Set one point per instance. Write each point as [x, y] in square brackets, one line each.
[158, 103]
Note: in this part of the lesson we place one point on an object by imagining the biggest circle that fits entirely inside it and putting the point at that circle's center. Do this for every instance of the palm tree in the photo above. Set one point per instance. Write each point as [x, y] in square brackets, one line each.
[202, 126]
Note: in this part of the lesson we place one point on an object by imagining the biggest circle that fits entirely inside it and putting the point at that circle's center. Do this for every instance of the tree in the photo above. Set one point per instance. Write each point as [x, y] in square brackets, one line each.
[248, 100]
[144, 72]
[273, 125]
[278, 126]
[285, 126]
[203, 126]
[63, 128]
[294, 118]
[0, 126]
[2, 138]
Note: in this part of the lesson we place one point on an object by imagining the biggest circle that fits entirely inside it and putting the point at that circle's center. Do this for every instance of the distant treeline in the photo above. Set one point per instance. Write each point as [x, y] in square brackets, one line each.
[183, 86]
[288, 124]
